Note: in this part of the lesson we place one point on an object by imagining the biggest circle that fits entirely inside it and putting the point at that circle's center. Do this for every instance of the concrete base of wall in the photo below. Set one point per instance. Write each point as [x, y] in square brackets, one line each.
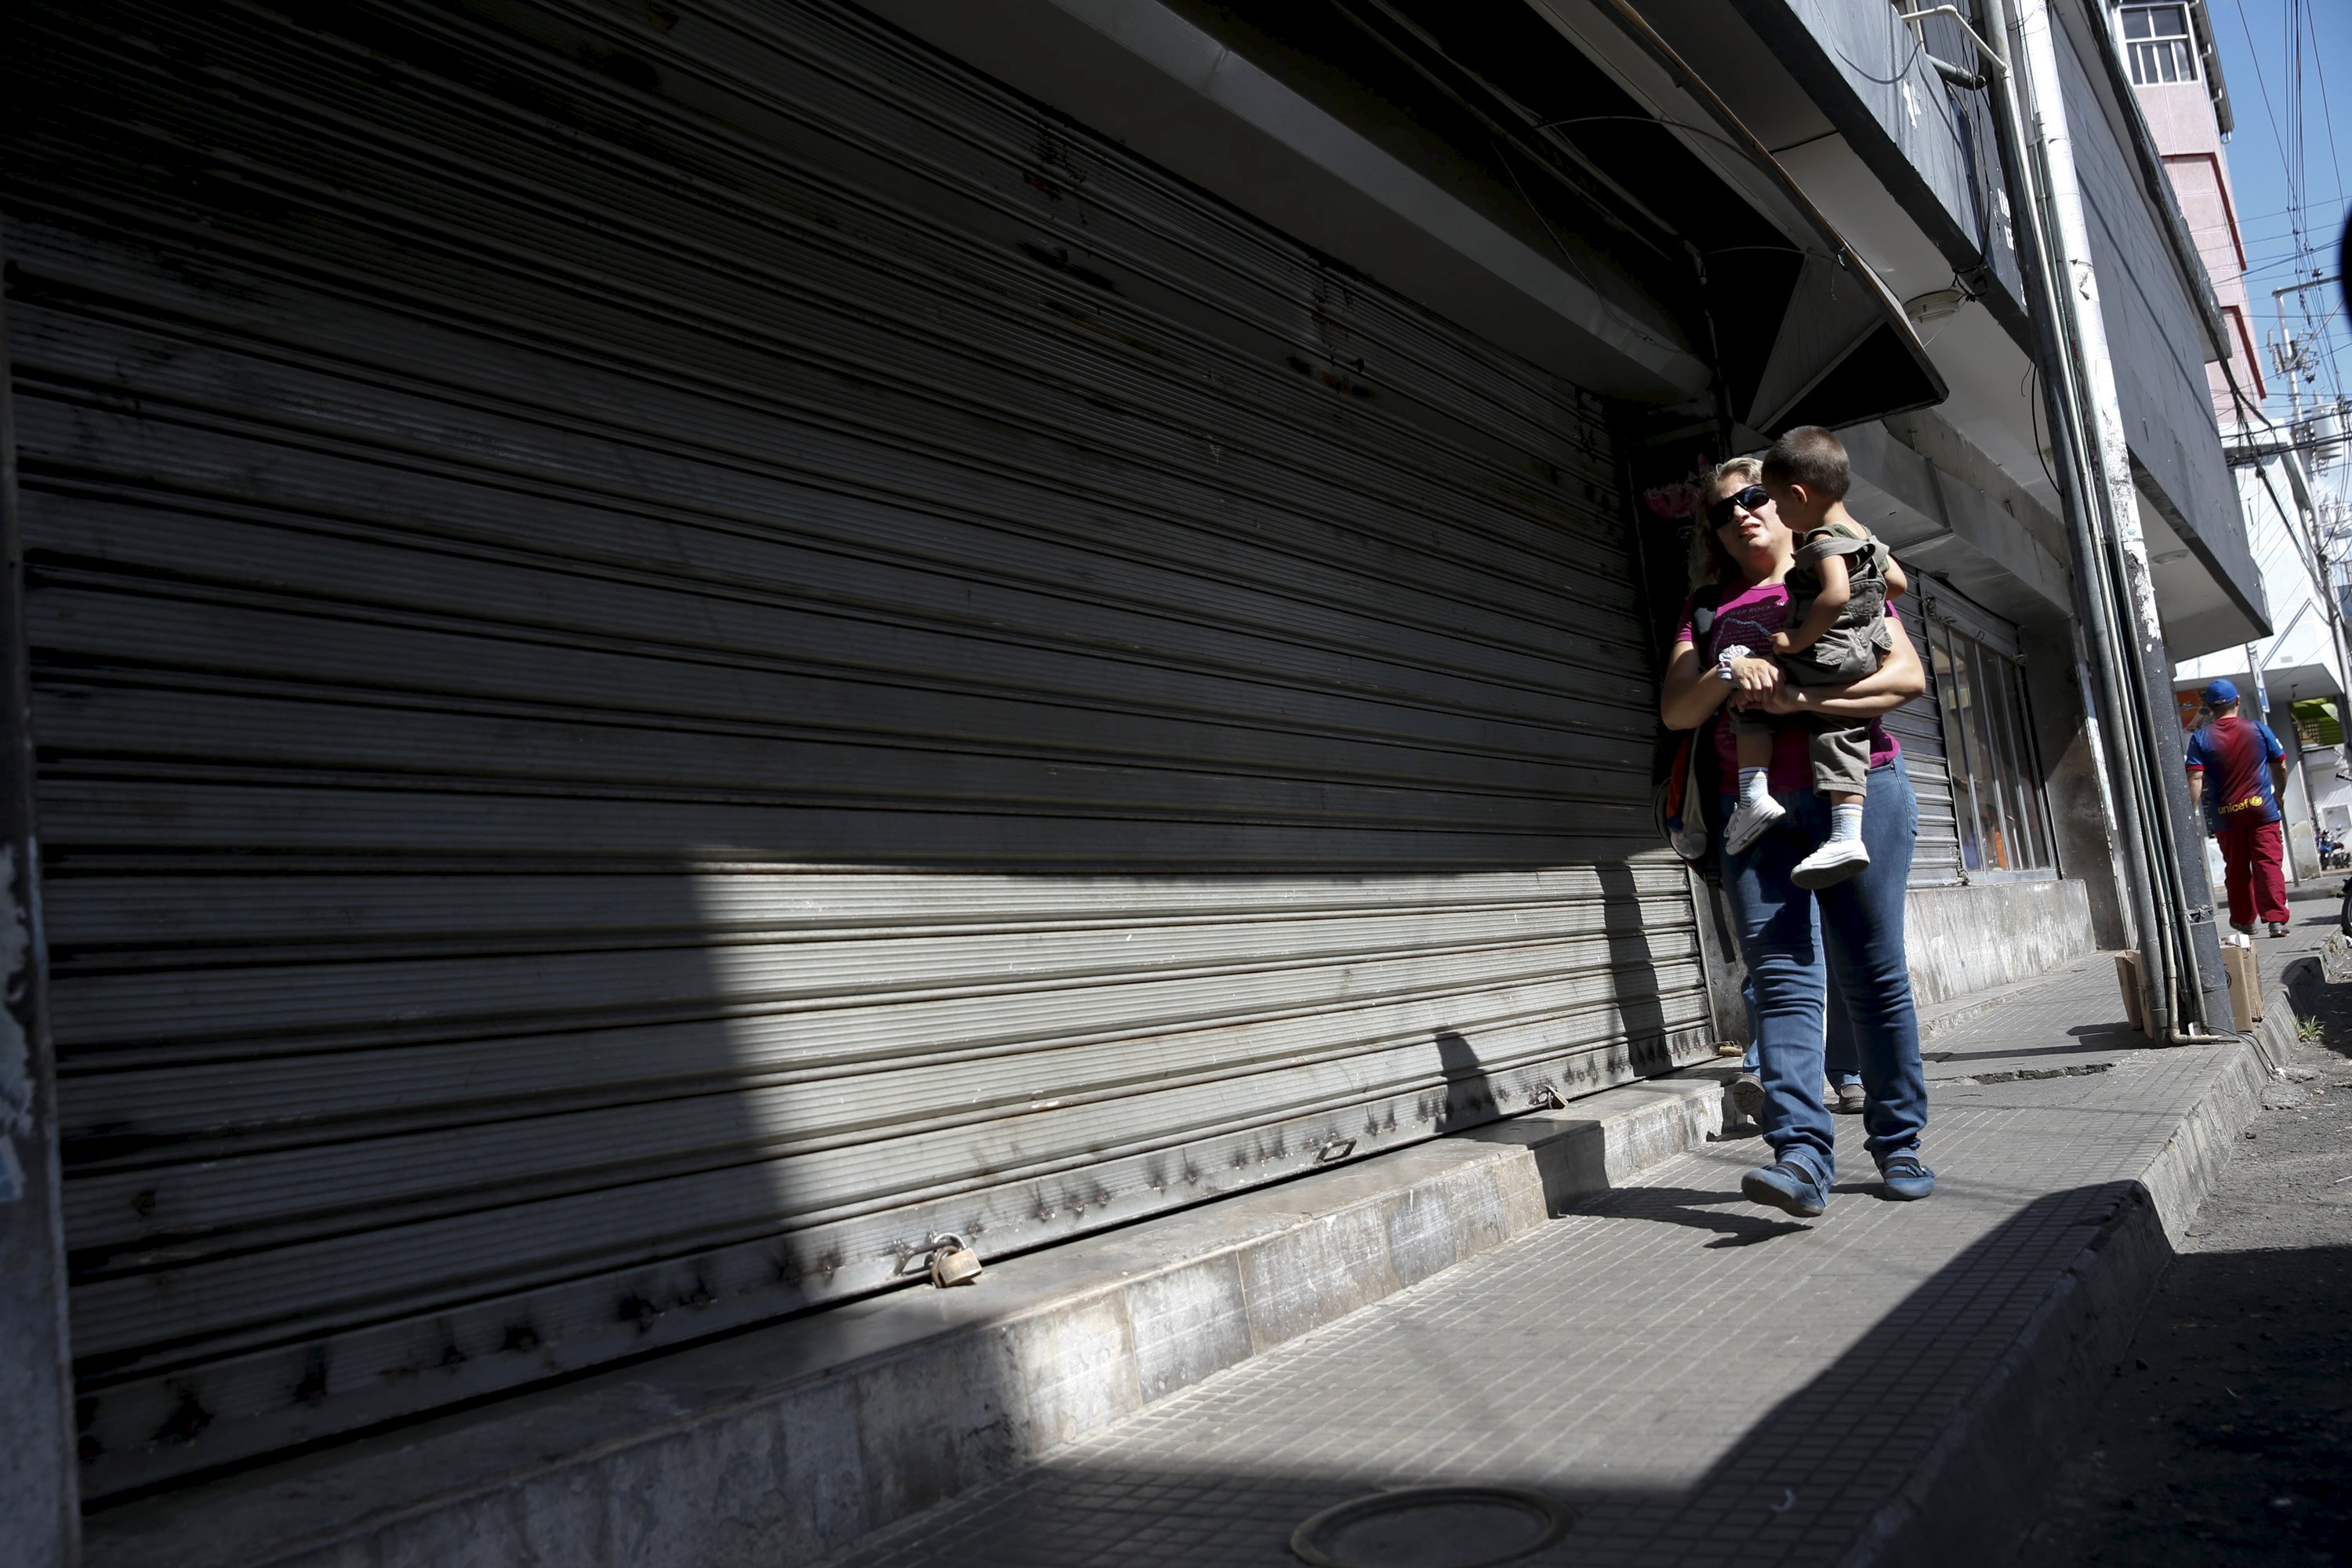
[779, 1446]
[1971, 939]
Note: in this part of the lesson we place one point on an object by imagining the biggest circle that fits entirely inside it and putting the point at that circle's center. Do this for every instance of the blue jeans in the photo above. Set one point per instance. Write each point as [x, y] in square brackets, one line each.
[1837, 1040]
[1794, 940]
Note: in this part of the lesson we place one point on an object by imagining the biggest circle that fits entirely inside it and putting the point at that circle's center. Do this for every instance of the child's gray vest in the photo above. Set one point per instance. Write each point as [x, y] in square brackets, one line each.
[1865, 571]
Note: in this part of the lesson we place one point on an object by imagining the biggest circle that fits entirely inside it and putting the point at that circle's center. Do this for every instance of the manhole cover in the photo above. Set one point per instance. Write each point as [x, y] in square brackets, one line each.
[1431, 1527]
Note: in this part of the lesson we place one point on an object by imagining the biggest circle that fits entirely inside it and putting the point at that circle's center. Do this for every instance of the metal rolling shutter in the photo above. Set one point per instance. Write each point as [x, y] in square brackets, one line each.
[676, 646]
[1918, 726]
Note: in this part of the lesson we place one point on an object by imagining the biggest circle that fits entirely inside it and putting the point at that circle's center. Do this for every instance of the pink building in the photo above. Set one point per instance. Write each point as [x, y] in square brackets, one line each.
[2177, 74]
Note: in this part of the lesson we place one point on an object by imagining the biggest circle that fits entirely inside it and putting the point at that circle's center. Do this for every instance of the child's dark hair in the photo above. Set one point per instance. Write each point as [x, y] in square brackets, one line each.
[1813, 458]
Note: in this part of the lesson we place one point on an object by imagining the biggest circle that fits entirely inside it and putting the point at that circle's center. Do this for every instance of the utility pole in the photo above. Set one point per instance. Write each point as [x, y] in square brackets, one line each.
[2120, 641]
[2293, 361]
[2311, 442]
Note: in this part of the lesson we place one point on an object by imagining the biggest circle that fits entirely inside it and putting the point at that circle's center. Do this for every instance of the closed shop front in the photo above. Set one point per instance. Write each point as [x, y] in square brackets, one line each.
[675, 648]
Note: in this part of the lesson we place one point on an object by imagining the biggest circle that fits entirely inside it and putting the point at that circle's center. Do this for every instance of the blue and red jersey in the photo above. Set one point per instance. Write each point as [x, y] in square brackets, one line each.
[2235, 756]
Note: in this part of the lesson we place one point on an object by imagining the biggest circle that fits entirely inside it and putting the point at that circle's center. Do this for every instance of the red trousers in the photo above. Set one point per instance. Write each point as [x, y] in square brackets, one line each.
[2254, 862]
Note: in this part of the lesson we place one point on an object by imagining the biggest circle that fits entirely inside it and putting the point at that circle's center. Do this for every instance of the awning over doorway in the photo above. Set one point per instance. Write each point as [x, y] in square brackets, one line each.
[1808, 333]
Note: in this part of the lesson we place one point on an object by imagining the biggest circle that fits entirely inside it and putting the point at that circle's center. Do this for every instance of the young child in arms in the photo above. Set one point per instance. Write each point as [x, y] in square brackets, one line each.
[1837, 632]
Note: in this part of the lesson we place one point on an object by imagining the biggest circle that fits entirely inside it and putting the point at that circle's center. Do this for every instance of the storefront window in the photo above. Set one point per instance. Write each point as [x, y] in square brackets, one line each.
[2025, 786]
[1989, 741]
[1986, 767]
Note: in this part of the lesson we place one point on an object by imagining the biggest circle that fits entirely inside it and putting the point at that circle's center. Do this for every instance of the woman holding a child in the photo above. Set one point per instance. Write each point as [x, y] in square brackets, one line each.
[1815, 875]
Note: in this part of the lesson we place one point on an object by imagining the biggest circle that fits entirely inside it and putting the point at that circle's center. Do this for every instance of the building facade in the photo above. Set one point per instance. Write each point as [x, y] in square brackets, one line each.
[2178, 77]
[670, 650]
[1890, 127]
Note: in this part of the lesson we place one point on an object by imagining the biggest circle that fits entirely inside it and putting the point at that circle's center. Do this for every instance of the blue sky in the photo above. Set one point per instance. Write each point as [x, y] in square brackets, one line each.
[2259, 68]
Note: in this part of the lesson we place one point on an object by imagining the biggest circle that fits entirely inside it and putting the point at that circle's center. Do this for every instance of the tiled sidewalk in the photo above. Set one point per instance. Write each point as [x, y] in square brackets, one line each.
[1701, 1380]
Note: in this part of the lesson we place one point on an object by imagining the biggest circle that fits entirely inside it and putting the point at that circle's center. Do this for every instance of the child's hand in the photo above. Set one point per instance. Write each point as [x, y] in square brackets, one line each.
[1781, 643]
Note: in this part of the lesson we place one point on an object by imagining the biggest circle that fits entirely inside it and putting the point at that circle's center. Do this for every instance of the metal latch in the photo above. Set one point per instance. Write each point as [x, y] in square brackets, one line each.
[952, 1259]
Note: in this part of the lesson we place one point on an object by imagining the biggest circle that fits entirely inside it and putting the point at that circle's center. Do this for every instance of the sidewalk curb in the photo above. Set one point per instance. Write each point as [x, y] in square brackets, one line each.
[2012, 1434]
[2293, 997]
[789, 1443]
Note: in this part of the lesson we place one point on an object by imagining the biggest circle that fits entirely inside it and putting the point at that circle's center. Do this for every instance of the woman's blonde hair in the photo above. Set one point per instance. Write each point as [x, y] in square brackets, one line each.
[1709, 561]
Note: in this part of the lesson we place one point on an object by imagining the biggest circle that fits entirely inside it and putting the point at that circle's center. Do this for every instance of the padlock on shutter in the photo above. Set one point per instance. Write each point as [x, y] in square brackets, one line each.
[953, 1262]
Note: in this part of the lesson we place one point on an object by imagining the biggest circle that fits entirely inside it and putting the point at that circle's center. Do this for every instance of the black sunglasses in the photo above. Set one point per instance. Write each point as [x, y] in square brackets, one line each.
[1752, 498]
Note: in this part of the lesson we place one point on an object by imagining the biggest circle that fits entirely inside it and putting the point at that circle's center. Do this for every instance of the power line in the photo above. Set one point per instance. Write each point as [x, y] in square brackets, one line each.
[2265, 234]
[2326, 109]
[2291, 22]
[2255, 57]
[2317, 317]
[2327, 118]
[2277, 242]
[2310, 259]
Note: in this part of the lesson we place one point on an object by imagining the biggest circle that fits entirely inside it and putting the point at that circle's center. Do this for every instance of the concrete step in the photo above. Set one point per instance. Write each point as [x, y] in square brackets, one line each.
[786, 1443]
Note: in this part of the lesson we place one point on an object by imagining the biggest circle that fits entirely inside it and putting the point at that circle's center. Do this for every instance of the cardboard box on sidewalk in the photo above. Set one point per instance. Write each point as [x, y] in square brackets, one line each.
[2238, 962]
[2245, 986]
[2127, 976]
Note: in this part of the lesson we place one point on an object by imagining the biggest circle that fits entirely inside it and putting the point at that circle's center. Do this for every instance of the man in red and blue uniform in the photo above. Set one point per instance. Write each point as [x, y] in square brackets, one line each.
[2237, 770]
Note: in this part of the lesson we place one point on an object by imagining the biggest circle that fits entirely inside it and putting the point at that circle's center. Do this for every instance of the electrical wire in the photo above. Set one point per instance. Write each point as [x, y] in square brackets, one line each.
[1918, 48]
[2030, 387]
[1709, 132]
[1558, 244]
[1946, 105]
[2326, 109]
[2254, 54]
[2288, 138]
[2297, 20]
[1711, 135]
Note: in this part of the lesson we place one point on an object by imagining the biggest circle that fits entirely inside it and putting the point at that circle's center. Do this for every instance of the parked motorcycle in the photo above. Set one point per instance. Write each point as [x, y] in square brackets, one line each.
[2334, 854]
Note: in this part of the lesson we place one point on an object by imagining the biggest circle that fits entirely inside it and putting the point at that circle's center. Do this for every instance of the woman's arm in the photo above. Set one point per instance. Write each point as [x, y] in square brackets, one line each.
[1692, 690]
[1896, 680]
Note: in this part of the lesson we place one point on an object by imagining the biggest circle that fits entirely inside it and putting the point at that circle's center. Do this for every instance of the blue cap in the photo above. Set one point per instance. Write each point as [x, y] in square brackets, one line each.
[2221, 694]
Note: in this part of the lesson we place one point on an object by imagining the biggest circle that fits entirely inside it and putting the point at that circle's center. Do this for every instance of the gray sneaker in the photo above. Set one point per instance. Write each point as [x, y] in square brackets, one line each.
[1747, 1097]
[1850, 1099]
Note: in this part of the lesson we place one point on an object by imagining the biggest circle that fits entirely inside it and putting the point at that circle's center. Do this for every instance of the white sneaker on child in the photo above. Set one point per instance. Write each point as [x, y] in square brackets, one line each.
[1833, 863]
[1748, 823]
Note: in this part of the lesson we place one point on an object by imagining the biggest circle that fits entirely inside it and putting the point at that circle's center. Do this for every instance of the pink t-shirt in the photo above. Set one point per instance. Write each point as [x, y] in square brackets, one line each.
[1750, 616]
